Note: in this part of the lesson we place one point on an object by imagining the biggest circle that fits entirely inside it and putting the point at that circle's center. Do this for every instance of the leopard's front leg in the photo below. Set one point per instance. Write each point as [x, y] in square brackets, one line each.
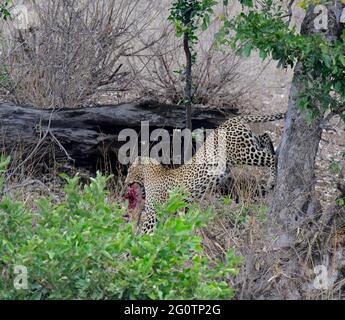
[149, 218]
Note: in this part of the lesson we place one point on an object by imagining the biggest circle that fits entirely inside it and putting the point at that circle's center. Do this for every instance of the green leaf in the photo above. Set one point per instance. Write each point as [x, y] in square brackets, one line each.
[107, 254]
[262, 54]
[51, 254]
[341, 202]
[247, 3]
[247, 49]
[205, 23]
[342, 59]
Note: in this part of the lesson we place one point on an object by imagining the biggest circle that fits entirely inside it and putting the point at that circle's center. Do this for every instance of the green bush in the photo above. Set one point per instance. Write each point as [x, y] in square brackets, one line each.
[81, 248]
[4, 162]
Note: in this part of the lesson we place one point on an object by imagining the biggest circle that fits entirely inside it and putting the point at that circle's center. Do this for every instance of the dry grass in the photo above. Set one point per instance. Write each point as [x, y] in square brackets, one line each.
[244, 229]
[86, 52]
[76, 50]
[268, 271]
[216, 77]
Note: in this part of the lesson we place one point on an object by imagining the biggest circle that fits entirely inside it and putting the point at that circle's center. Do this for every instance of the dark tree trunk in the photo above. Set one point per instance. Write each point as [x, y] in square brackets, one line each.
[88, 134]
[188, 88]
[295, 205]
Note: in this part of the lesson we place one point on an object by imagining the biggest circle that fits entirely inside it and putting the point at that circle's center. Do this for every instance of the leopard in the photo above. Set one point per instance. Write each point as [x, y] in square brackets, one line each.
[231, 144]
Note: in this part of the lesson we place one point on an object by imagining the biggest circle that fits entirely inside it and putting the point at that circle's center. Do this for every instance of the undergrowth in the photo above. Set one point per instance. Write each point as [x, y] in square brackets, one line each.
[82, 248]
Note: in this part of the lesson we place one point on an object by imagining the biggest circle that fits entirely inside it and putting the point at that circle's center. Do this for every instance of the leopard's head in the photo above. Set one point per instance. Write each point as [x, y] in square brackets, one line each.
[136, 171]
[134, 190]
[135, 174]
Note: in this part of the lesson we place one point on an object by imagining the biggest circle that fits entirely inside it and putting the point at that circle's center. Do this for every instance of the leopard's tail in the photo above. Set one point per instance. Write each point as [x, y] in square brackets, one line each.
[265, 118]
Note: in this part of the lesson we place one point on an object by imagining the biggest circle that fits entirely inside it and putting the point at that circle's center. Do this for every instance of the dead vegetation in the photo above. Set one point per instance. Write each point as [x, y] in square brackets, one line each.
[76, 51]
[80, 53]
[216, 77]
[245, 227]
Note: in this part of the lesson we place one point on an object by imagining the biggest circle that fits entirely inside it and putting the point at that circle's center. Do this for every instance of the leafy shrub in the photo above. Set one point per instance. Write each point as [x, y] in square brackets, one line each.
[4, 161]
[81, 248]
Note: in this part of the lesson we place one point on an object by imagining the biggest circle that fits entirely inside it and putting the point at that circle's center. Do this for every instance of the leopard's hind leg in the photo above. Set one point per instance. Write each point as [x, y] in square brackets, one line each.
[265, 143]
[253, 155]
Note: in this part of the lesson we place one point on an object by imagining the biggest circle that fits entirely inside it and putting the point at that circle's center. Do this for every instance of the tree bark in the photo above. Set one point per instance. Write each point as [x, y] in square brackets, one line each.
[188, 88]
[295, 205]
[294, 197]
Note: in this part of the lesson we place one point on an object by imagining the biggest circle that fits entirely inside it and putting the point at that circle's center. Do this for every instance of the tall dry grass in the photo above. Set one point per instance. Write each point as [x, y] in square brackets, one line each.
[75, 51]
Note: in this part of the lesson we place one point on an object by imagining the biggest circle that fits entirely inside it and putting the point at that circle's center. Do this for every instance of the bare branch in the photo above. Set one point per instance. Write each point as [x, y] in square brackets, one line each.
[74, 54]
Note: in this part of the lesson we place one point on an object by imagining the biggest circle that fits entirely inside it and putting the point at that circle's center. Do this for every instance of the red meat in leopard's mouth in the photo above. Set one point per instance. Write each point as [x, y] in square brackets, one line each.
[135, 196]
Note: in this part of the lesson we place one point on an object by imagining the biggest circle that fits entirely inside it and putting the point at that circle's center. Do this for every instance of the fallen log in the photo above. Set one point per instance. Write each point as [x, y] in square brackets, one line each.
[84, 135]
